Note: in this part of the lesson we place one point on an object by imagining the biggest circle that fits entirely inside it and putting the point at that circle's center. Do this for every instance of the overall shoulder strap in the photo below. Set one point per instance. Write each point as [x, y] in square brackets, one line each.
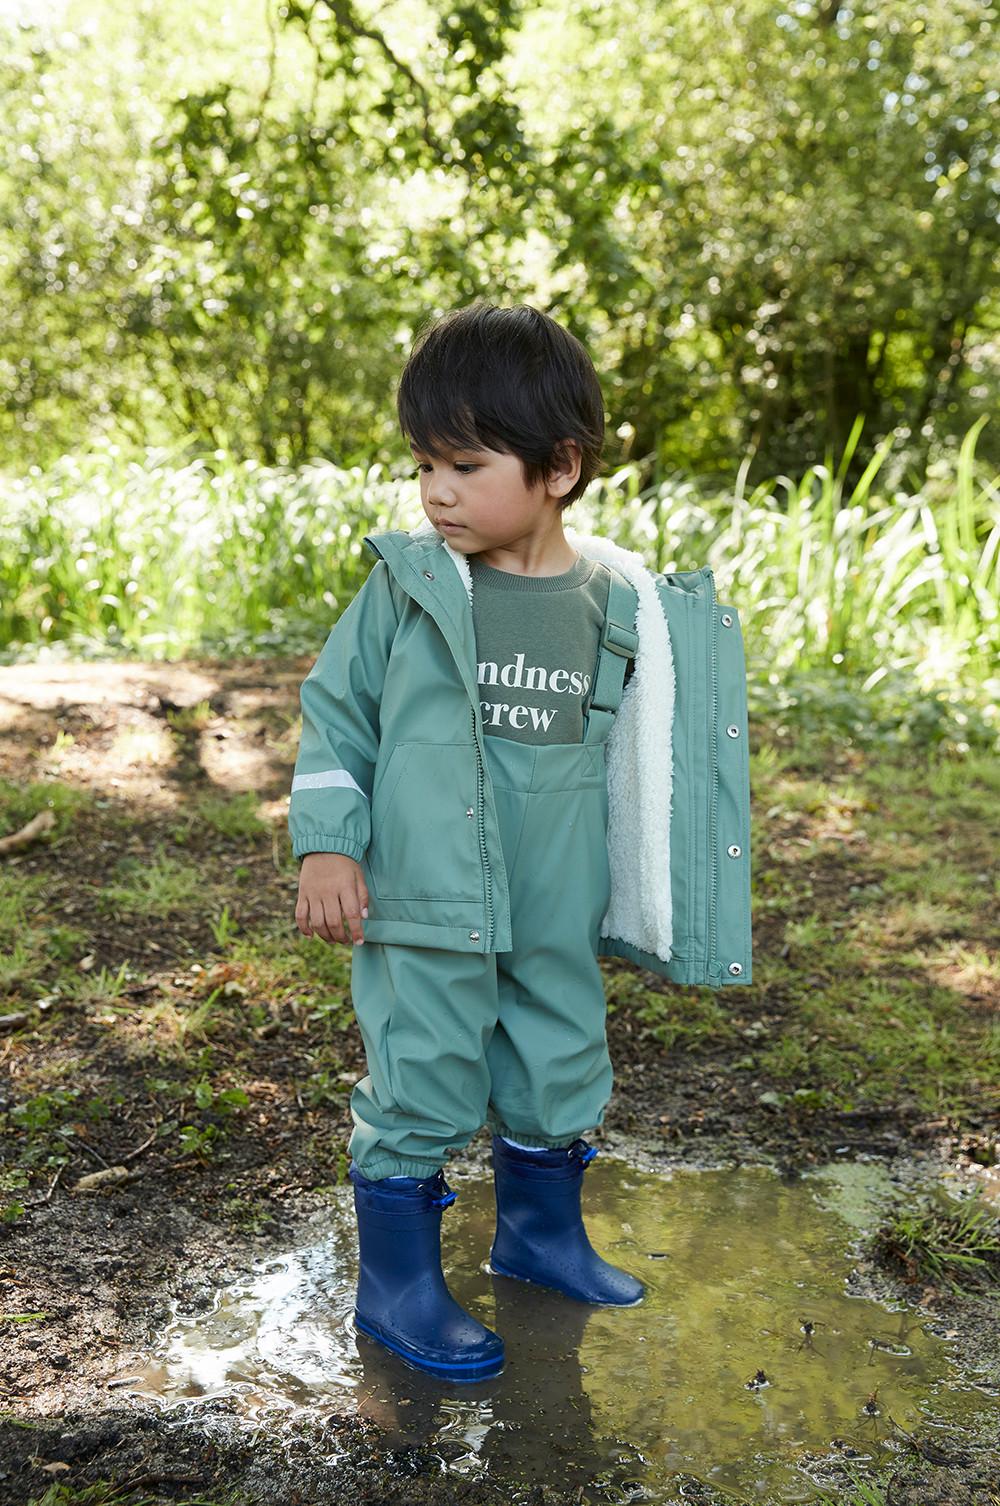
[619, 643]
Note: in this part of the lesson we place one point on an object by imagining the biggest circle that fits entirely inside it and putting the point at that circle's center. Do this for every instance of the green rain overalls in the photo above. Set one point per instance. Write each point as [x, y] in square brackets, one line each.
[517, 1039]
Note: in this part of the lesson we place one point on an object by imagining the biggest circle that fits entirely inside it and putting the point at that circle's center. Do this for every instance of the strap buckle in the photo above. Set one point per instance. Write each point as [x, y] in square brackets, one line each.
[447, 1196]
[582, 1152]
[621, 639]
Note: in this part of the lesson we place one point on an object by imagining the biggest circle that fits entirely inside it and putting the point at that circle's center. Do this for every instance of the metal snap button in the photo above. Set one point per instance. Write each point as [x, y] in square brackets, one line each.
[470, 811]
[473, 935]
[733, 850]
[429, 574]
[736, 968]
[726, 619]
[732, 730]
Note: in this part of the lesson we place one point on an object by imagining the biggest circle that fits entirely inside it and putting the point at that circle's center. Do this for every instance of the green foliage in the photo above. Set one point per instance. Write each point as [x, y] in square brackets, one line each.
[110, 557]
[152, 886]
[667, 1016]
[234, 817]
[229, 234]
[325, 1089]
[19, 804]
[44, 1126]
[13, 1180]
[217, 1107]
[940, 1239]
[870, 616]
[109, 1493]
[862, 1492]
[223, 927]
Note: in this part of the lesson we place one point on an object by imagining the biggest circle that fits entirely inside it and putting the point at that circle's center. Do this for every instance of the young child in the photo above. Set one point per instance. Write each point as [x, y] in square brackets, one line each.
[466, 820]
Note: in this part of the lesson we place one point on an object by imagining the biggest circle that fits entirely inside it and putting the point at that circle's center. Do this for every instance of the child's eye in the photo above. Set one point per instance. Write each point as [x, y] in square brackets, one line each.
[460, 467]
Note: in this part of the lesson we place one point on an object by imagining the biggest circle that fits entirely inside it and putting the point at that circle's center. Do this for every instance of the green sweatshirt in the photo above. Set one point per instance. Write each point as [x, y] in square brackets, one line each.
[537, 638]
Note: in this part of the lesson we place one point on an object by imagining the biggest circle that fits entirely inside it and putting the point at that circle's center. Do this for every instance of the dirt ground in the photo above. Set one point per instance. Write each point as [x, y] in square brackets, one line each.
[104, 1266]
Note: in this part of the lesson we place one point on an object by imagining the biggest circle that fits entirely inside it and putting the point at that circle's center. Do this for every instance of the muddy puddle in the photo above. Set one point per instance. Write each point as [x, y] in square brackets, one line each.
[748, 1360]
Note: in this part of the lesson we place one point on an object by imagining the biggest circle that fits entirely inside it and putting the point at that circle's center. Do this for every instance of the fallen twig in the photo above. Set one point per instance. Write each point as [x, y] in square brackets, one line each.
[38, 1202]
[107, 1176]
[36, 827]
[139, 1482]
[90, 1150]
[131, 1155]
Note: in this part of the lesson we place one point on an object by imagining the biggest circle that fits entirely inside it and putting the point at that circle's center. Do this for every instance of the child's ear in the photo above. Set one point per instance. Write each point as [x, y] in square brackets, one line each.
[565, 469]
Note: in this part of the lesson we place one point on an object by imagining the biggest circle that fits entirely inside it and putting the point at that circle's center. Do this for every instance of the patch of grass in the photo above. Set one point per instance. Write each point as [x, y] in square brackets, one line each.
[95, 988]
[247, 1215]
[667, 1017]
[862, 1493]
[191, 718]
[65, 942]
[47, 1122]
[108, 1493]
[17, 965]
[232, 816]
[869, 1040]
[872, 918]
[822, 709]
[19, 804]
[157, 885]
[21, 898]
[304, 971]
[944, 1240]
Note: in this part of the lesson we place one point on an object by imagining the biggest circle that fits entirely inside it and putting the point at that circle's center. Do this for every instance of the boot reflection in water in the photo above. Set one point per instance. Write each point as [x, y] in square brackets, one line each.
[403, 1300]
[538, 1427]
[542, 1427]
[540, 1234]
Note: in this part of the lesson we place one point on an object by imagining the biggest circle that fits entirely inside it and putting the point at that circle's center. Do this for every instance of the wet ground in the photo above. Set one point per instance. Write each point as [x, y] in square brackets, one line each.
[110, 1298]
[748, 1353]
[188, 1362]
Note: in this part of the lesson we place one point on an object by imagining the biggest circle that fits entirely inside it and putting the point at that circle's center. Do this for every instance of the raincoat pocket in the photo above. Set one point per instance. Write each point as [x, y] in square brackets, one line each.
[425, 832]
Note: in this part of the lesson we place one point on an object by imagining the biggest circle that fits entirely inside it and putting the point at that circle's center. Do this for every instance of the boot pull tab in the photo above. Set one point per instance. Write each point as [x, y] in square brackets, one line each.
[582, 1152]
[447, 1196]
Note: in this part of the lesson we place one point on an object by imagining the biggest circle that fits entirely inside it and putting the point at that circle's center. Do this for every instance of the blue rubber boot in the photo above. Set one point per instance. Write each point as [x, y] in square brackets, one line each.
[403, 1300]
[540, 1234]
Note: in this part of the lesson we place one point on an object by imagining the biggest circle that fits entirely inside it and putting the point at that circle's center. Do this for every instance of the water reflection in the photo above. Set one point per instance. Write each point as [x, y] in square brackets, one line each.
[746, 1351]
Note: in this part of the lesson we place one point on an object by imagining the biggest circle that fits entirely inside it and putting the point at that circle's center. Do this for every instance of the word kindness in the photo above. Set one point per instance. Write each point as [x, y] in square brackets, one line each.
[543, 682]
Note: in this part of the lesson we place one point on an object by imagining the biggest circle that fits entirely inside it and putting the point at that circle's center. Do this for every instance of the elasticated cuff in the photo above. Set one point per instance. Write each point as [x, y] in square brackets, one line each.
[315, 841]
[377, 1167]
[531, 1137]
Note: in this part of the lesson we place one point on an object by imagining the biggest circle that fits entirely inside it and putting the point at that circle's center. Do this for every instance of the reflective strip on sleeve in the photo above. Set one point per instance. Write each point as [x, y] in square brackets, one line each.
[325, 778]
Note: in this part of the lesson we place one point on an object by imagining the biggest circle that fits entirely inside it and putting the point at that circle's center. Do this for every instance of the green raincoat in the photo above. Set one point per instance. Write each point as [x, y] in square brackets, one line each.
[391, 767]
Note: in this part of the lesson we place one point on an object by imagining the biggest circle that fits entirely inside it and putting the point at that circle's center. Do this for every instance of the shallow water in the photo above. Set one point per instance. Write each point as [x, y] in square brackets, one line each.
[617, 1401]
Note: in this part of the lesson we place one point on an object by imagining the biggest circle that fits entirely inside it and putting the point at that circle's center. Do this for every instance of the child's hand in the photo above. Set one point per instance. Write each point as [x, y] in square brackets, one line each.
[330, 885]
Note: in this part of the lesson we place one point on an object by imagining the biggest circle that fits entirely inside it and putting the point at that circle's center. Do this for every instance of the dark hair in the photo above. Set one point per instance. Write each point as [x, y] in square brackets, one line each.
[509, 379]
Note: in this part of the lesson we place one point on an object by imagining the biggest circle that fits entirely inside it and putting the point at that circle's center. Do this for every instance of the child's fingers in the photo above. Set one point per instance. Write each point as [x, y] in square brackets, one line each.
[323, 924]
[333, 917]
[302, 915]
[351, 906]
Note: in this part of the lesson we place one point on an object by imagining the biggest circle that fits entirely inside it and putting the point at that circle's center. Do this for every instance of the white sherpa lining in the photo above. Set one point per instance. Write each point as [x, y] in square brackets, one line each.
[640, 757]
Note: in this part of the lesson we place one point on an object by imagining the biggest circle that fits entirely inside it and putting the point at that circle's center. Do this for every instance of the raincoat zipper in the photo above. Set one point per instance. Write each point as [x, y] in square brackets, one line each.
[487, 873]
[713, 804]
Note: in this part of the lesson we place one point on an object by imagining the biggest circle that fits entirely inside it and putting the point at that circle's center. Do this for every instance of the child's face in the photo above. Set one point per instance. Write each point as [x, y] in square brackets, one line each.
[484, 492]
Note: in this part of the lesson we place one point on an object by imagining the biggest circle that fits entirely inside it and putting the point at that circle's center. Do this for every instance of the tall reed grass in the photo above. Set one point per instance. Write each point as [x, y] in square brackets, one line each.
[163, 556]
